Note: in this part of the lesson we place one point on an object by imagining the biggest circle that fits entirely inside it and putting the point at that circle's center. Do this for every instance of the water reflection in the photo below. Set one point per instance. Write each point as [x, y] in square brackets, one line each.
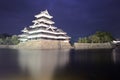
[9, 63]
[59, 64]
[116, 55]
[91, 57]
[40, 64]
[88, 65]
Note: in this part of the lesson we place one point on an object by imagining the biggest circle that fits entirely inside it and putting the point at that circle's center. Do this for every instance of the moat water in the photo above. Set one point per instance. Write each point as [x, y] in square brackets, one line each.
[59, 64]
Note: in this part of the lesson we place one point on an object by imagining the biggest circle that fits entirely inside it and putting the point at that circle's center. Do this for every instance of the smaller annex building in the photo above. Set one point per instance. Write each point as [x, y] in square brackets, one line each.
[43, 34]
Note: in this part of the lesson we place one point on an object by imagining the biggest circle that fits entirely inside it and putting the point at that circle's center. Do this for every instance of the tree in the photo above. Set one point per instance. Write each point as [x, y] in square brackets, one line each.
[14, 40]
[104, 36]
[7, 39]
[98, 37]
[94, 39]
[1, 41]
[84, 40]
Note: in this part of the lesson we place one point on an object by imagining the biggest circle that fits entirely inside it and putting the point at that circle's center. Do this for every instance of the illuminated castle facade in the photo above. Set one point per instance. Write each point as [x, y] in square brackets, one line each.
[43, 34]
[43, 28]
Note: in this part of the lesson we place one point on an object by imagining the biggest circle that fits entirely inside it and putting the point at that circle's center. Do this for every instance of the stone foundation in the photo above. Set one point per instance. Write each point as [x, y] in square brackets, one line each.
[44, 44]
[92, 46]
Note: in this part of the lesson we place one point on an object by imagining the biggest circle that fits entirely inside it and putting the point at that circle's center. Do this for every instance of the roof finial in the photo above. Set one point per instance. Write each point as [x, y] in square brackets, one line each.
[46, 11]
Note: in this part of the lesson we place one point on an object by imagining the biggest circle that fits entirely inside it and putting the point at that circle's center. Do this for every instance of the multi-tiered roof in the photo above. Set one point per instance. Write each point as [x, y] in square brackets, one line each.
[43, 28]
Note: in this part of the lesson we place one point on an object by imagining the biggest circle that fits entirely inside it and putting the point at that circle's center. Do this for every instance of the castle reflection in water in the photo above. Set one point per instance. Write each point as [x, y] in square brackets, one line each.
[42, 64]
[59, 64]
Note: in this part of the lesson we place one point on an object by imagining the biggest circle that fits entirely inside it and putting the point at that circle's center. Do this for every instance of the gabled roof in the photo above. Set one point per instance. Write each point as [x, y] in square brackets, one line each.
[43, 13]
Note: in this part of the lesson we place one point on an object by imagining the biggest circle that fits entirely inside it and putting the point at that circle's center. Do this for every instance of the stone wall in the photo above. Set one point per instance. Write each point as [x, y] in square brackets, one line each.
[44, 44]
[8, 46]
[92, 46]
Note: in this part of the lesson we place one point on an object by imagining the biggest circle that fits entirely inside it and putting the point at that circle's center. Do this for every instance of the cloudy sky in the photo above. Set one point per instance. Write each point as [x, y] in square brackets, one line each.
[78, 18]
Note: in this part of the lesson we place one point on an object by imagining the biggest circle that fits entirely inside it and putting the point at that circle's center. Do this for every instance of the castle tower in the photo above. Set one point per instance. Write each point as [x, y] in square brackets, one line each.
[43, 29]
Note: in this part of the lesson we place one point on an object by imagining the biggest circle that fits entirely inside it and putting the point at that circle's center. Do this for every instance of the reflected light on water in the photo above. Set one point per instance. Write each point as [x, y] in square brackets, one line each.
[41, 64]
[59, 64]
[116, 55]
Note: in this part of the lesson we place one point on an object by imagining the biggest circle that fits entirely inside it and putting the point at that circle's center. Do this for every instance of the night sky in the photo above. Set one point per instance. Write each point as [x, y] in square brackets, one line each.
[78, 18]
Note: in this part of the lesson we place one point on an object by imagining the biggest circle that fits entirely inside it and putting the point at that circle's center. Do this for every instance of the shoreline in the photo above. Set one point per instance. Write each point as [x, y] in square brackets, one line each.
[8, 46]
[76, 46]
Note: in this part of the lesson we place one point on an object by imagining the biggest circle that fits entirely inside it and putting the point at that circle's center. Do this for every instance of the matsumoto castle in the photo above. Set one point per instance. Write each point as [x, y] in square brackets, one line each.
[43, 29]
